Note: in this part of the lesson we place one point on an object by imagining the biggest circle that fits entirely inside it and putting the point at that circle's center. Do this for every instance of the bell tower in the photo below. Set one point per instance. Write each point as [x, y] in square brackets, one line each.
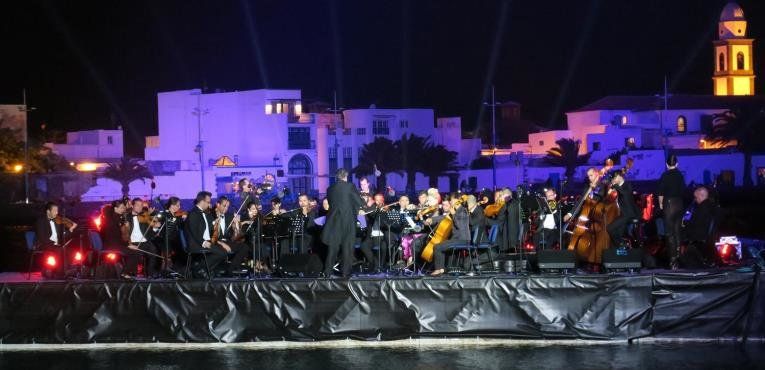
[734, 67]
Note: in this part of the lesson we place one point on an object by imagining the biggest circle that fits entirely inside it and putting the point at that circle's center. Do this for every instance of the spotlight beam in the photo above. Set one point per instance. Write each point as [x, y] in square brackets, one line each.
[249, 18]
[492, 63]
[583, 37]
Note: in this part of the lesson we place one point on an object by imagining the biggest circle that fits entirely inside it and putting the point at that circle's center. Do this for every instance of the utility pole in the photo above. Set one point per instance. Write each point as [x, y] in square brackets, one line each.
[335, 124]
[199, 112]
[26, 110]
[493, 106]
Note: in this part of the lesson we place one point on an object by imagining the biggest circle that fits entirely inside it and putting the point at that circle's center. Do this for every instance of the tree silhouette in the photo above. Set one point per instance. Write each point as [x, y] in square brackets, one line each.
[381, 153]
[566, 155]
[742, 128]
[412, 150]
[437, 161]
[126, 171]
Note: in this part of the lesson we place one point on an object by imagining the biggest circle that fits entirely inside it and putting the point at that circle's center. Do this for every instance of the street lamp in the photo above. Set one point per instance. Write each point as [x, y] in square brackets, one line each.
[493, 106]
[199, 148]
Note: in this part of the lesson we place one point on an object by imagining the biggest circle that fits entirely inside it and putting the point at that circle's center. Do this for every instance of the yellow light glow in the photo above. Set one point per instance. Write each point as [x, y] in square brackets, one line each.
[278, 108]
[269, 108]
[18, 168]
[71, 164]
[87, 167]
[298, 109]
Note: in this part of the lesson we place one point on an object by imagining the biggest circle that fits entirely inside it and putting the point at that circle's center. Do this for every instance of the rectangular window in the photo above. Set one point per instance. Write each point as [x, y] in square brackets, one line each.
[332, 152]
[347, 158]
[347, 152]
[109, 140]
[404, 123]
[596, 146]
[541, 143]
[346, 132]
[299, 138]
[380, 127]
[361, 131]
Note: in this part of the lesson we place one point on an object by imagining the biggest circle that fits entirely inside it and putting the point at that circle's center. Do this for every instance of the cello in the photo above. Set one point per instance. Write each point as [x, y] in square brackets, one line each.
[442, 233]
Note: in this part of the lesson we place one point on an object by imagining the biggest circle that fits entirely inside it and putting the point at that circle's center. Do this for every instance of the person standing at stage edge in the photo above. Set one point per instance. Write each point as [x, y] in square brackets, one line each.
[339, 230]
[670, 191]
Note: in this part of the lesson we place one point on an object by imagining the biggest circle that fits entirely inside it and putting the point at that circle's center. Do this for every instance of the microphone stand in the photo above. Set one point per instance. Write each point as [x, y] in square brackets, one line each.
[521, 231]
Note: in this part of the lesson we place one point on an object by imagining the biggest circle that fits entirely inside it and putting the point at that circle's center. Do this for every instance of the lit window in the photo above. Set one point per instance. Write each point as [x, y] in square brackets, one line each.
[298, 109]
[278, 108]
[269, 108]
[624, 120]
[682, 124]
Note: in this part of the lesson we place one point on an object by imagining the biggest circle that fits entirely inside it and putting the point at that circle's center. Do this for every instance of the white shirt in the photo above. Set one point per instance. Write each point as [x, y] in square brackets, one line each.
[222, 220]
[548, 221]
[53, 232]
[206, 234]
[136, 236]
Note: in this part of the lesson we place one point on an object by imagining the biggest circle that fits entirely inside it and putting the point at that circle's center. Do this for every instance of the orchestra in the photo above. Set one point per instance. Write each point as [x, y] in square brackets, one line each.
[235, 238]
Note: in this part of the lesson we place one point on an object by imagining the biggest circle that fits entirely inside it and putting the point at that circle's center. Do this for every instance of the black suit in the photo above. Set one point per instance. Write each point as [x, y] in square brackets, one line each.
[339, 231]
[508, 220]
[238, 250]
[44, 231]
[627, 212]
[131, 256]
[194, 231]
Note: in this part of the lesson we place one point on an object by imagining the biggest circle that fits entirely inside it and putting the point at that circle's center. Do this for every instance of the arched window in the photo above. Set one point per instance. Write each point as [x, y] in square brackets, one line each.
[721, 62]
[740, 60]
[682, 124]
[299, 169]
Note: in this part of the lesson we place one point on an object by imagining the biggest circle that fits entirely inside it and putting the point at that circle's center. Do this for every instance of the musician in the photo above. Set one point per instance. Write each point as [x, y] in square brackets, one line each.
[548, 225]
[627, 209]
[199, 231]
[247, 194]
[301, 225]
[397, 224]
[111, 220]
[463, 217]
[698, 231]
[594, 189]
[140, 233]
[339, 230]
[422, 200]
[276, 208]
[670, 191]
[252, 223]
[374, 234]
[324, 207]
[229, 228]
[49, 231]
[508, 219]
[364, 186]
[168, 230]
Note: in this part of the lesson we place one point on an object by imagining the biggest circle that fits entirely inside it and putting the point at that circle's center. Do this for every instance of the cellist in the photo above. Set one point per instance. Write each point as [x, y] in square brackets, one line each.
[589, 237]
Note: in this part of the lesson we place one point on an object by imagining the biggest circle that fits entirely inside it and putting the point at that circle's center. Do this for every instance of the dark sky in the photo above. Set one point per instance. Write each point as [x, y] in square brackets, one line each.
[90, 63]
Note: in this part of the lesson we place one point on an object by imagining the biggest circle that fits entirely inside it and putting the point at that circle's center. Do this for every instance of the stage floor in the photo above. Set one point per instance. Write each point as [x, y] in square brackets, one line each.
[656, 304]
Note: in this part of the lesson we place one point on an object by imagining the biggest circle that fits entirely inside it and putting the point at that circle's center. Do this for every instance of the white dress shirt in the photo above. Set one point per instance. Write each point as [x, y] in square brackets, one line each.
[53, 232]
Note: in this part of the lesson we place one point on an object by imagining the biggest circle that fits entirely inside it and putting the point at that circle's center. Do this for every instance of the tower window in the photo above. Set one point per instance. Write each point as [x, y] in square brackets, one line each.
[682, 124]
[721, 62]
[740, 60]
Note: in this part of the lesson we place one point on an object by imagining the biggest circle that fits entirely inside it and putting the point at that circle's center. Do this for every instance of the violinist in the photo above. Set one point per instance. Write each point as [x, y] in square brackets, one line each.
[374, 235]
[627, 208]
[302, 225]
[199, 231]
[169, 230]
[139, 234]
[112, 216]
[508, 218]
[251, 225]
[50, 229]
[228, 226]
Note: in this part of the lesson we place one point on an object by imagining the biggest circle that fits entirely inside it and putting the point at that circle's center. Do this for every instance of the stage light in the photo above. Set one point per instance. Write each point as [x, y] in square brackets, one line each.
[18, 168]
[111, 257]
[529, 247]
[729, 249]
[97, 222]
[77, 258]
[50, 261]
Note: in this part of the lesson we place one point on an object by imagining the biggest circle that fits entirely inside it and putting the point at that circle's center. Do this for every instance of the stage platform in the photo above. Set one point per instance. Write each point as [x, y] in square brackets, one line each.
[704, 305]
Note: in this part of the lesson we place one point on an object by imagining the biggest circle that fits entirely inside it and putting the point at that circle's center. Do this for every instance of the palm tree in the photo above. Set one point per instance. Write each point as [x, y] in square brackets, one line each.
[412, 149]
[566, 155]
[380, 153]
[742, 128]
[126, 171]
[436, 162]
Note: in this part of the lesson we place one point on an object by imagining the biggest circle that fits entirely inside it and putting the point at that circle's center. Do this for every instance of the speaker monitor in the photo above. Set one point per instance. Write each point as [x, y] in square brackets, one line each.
[294, 265]
[624, 259]
[556, 259]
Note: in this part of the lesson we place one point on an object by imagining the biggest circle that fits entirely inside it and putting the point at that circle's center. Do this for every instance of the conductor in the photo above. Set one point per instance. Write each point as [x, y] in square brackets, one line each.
[339, 231]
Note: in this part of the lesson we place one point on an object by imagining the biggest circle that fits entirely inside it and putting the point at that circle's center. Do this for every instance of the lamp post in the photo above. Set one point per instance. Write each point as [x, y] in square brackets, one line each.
[493, 106]
[199, 112]
[26, 109]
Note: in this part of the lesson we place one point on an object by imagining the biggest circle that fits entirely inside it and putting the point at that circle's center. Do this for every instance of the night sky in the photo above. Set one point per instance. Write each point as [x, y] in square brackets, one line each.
[94, 64]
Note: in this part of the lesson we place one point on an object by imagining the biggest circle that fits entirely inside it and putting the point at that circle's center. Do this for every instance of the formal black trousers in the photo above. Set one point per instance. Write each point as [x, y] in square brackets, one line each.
[346, 247]
[673, 218]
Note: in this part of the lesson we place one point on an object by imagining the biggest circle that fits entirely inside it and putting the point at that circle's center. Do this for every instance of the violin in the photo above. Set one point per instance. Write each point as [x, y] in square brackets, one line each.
[61, 220]
[180, 213]
[425, 211]
[492, 210]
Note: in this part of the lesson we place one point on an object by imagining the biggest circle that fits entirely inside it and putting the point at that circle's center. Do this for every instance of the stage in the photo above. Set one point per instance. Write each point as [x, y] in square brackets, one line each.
[702, 305]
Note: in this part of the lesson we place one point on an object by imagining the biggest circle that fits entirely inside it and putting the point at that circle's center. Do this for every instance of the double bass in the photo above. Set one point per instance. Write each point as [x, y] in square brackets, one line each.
[589, 237]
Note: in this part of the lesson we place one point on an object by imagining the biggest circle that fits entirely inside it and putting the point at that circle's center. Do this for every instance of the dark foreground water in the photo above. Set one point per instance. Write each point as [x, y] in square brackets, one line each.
[512, 356]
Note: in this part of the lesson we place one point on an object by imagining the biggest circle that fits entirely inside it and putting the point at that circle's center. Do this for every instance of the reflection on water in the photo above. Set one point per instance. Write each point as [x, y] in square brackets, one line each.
[550, 356]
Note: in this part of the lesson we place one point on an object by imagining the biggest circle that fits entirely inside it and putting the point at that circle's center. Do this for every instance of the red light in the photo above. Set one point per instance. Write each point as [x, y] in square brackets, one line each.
[725, 250]
[50, 261]
[111, 257]
[97, 222]
[78, 257]
[529, 247]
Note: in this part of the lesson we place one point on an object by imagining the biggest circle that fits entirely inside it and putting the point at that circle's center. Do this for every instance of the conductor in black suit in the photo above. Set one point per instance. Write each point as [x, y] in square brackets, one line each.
[339, 231]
